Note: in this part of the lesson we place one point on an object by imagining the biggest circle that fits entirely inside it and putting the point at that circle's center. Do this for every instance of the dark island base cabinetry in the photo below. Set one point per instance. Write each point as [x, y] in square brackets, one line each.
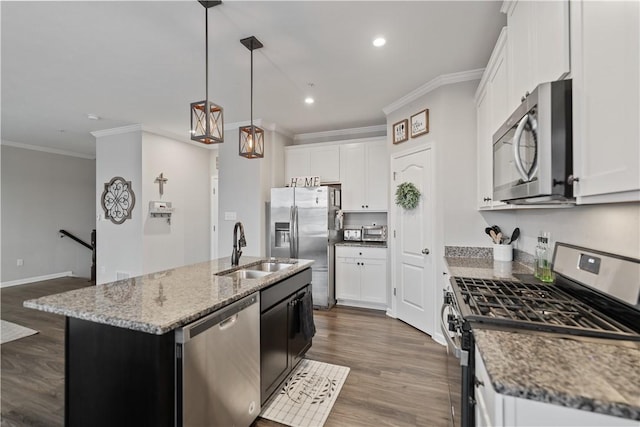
[116, 376]
[282, 340]
[121, 377]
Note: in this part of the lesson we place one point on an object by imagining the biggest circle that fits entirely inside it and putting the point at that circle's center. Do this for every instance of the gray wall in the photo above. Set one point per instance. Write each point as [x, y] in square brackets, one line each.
[245, 188]
[119, 246]
[41, 194]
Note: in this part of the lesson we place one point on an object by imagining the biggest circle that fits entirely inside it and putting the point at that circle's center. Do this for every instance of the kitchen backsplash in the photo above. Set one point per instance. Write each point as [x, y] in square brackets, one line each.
[358, 219]
[480, 252]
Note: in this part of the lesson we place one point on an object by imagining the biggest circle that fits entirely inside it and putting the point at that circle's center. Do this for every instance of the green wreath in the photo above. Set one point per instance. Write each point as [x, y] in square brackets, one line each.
[407, 195]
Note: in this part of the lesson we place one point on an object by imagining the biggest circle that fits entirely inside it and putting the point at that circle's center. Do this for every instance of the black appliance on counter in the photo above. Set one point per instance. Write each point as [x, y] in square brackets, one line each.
[596, 295]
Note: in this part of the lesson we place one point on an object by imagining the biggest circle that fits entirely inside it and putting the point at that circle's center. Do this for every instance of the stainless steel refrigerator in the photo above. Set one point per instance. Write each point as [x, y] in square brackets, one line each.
[302, 225]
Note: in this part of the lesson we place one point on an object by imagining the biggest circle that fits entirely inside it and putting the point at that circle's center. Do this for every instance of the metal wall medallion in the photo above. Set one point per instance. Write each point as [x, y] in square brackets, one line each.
[118, 200]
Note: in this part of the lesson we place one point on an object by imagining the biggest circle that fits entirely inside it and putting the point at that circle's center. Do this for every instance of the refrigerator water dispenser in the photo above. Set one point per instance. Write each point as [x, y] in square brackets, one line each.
[282, 235]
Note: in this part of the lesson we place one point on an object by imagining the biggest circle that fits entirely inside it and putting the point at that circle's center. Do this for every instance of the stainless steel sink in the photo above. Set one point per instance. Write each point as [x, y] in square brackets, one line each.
[247, 274]
[273, 266]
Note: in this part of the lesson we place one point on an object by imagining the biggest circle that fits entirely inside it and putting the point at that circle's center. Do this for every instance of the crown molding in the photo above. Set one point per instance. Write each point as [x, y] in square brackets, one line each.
[340, 133]
[48, 150]
[442, 80]
[116, 131]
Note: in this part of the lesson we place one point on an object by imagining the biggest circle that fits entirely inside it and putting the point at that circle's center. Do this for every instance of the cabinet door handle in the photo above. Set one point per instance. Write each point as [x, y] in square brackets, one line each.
[367, 206]
[425, 251]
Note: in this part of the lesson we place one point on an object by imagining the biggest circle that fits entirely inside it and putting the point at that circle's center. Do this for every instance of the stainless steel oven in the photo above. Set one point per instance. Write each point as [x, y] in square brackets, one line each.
[596, 295]
[459, 360]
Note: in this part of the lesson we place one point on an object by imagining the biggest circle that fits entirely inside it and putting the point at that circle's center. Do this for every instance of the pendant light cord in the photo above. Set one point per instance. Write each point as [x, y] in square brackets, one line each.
[253, 133]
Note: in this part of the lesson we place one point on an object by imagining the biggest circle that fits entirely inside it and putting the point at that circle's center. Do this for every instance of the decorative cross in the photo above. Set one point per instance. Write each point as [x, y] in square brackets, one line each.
[161, 180]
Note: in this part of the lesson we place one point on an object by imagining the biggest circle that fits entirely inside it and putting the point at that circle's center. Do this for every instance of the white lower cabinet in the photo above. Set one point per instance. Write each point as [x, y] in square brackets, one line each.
[361, 276]
[497, 410]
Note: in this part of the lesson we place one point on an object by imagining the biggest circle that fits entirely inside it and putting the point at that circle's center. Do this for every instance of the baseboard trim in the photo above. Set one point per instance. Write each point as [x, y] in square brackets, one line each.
[36, 279]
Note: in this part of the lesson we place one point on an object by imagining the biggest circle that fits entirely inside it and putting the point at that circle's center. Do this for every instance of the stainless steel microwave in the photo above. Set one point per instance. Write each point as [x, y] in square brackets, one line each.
[532, 151]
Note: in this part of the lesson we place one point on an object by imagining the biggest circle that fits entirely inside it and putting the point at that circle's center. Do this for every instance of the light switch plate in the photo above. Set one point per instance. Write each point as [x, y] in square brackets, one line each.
[230, 216]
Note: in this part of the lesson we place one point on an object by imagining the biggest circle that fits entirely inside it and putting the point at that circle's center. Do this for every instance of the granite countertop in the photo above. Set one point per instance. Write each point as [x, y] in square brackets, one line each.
[592, 375]
[599, 376]
[362, 244]
[158, 303]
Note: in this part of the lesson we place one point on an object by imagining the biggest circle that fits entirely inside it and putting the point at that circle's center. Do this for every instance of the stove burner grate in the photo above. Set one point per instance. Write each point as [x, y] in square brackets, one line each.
[532, 305]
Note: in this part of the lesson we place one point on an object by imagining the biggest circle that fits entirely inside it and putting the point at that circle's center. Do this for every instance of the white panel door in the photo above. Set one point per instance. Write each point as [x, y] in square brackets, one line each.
[347, 278]
[296, 163]
[606, 99]
[325, 163]
[519, 51]
[414, 283]
[373, 284]
[352, 176]
[377, 186]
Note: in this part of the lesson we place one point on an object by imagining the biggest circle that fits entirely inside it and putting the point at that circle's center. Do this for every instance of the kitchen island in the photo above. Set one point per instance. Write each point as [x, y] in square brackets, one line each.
[121, 344]
[520, 373]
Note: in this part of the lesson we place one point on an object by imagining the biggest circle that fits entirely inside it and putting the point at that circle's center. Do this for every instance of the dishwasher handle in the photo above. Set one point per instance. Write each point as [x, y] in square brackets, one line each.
[224, 318]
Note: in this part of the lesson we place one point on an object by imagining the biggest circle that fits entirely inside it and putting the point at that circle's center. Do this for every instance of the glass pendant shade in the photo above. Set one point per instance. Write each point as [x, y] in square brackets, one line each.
[251, 142]
[207, 122]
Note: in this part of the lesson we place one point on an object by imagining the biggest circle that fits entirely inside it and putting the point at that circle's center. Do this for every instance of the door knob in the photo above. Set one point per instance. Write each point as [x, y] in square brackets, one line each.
[425, 251]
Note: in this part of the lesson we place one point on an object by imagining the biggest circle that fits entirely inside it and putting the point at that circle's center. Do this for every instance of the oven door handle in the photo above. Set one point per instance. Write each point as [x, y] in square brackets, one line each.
[461, 354]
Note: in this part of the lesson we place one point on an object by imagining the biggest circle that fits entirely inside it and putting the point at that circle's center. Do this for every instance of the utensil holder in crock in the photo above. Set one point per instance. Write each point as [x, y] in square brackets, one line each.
[503, 252]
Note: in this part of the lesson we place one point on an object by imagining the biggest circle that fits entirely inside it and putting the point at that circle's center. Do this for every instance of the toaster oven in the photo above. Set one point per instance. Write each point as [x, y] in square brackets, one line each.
[374, 233]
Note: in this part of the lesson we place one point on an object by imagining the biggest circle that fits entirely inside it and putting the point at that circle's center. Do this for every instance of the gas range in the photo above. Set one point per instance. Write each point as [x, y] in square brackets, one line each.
[533, 306]
[595, 294]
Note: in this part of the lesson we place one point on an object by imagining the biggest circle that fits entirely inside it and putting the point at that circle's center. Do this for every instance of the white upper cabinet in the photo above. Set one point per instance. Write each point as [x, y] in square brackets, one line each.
[364, 175]
[313, 160]
[606, 95]
[492, 110]
[538, 45]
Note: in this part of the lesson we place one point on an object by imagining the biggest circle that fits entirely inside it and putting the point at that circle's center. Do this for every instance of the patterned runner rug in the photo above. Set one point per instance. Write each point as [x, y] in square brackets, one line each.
[10, 332]
[307, 396]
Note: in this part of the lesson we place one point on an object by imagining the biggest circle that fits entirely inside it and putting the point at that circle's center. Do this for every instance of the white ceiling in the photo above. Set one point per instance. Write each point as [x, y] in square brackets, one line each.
[143, 62]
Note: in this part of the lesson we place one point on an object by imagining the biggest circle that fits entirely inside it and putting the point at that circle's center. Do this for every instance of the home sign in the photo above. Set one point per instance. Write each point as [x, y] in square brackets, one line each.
[305, 181]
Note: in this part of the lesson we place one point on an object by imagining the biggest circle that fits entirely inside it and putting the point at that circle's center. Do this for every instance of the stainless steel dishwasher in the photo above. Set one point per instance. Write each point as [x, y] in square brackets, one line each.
[218, 367]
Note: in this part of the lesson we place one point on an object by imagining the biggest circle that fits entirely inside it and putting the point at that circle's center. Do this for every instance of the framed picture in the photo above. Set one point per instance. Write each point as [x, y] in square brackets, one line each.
[401, 131]
[420, 123]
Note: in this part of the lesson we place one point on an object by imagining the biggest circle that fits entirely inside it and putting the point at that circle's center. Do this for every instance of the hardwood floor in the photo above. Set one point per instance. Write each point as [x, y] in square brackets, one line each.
[397, 378]
[32, 369]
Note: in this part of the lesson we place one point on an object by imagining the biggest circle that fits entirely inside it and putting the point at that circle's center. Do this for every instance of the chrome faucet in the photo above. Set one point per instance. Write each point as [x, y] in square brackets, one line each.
[237, 244]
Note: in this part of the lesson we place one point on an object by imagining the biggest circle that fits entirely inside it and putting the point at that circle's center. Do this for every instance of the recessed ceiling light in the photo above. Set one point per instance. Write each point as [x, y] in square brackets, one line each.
[309, 100]
[92, 117]
[379, 41]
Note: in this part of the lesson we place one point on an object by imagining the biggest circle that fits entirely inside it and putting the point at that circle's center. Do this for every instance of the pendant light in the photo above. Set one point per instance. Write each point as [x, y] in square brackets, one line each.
[207, 124]
[251, 137]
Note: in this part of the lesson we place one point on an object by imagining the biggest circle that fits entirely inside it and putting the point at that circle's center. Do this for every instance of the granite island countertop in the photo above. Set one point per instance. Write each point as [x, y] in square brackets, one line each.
[600, 376]
[158, 303]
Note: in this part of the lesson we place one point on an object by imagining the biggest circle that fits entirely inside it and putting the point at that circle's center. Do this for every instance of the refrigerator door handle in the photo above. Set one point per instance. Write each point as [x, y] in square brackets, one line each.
[295, 212]
[291, 232]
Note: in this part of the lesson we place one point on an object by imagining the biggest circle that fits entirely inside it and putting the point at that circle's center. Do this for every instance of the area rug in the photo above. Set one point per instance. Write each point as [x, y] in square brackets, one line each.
[307, 396]
[10, 332]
